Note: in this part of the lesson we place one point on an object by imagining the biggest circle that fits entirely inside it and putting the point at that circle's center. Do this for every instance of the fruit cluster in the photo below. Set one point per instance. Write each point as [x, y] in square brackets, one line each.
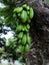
[23, 14]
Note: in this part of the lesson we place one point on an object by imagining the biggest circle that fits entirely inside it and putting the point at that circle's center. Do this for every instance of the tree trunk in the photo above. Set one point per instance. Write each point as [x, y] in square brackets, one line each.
[40, 35]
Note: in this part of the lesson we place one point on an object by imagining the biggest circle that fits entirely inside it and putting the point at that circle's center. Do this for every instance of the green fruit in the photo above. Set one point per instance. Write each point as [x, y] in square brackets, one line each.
[14, 15]
[20, 58]
[28, 19]
[19, 41]
[19, 28]
[24, 6]
[24, 40]
[28, 12]
[24, 28]
[20, 35]
[28, 26]
[26, 48]
[17, 50]
[20, 49]
[31, 13]
[24, 16]
[28, 7]
[18, 9]
[19, 14]
[28, 39]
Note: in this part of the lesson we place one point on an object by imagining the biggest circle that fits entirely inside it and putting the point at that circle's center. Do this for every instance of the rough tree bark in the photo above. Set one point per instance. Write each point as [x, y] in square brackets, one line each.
[39, 50]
